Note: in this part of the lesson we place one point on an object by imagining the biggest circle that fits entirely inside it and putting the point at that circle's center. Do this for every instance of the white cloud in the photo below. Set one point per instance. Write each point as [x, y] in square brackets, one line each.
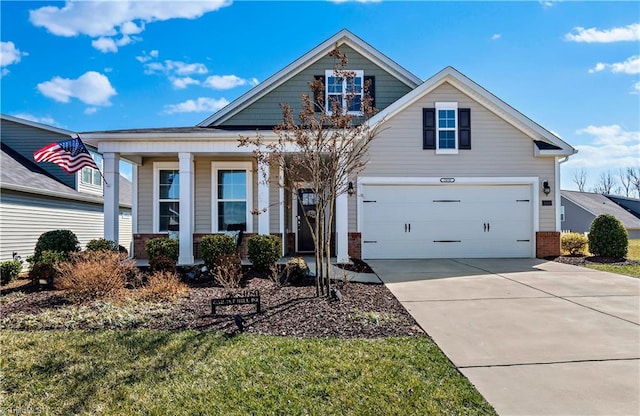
[182, 83]
[90, 110]
[146, 57]
[617, 34]
[91, 88]
[104, 44]
[496, 36]
[630, 66]
[636, 88]
[225, 82]
[100, 19]
[9, 55]
[199, 105]
[548, 3]
[609, 147]
[43, 120]
[175, 67]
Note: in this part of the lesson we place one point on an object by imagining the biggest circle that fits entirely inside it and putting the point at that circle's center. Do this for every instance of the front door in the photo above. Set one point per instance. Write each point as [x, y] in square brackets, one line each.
[306, 208]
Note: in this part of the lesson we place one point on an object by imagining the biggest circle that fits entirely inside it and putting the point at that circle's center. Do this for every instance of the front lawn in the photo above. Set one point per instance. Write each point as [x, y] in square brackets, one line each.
[632, 270]
[189, 372]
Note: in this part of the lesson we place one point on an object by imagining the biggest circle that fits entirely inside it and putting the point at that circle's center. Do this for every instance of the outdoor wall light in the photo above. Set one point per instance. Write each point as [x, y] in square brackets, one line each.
[350, 189]
[546, 188]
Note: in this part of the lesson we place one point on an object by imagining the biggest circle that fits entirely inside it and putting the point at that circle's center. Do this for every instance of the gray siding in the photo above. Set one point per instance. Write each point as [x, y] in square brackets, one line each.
[25, 217]
[576, 218]
[202, 185]
[497, 150]
[26, 140]
[267, 112]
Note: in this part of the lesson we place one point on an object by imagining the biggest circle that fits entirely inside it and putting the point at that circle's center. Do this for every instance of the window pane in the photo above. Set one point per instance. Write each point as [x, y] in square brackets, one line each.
[169, 213]
[447, 139]
[86, 175]
[334, 103]
[169, 184]
[355, 103]
[96, 177]
[354, 85]
[232, 184]
[446, 119]
[232, 213]
[334, 85]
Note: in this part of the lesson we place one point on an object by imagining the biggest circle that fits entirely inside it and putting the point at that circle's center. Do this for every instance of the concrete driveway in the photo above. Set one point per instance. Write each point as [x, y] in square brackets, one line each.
[534, 337]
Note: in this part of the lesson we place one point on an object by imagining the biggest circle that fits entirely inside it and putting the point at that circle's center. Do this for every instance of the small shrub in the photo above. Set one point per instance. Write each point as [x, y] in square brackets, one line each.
[95, 275]
[163, 286]
[264, 251]
[296, 270]
[45, 270]
[9, 271]
[228, 271]
[213, 247]
[608, 237]
[574, 243]
[162, 264]
[100, 244]
[63, 241]
[162, 247]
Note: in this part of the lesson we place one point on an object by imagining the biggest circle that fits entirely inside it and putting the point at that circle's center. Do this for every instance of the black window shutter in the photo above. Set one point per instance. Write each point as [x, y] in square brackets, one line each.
[370, 82]
[464, 128]
[318, 96]
[428, 128]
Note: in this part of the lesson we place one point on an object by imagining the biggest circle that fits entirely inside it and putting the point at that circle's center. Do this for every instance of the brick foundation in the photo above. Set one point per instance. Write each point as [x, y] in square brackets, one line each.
[355, 245]
[547, 244]
[139, 240]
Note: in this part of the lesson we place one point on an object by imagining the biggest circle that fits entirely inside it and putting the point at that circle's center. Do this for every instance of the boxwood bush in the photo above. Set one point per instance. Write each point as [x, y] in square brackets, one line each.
[214, 246]
[264, 251]
[100, 244]
[574, 243]
[608, 237]
[9, 271]
[62, 241]
[162, 247]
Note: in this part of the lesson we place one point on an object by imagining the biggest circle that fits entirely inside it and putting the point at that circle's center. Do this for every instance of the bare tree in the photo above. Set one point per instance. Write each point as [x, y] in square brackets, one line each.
[634, 175]
[606, 184]
[321, 150]
[580, 178]
[624, 174]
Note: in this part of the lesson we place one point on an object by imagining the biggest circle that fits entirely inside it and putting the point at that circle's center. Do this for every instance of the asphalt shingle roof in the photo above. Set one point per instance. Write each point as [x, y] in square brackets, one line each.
[599, 204]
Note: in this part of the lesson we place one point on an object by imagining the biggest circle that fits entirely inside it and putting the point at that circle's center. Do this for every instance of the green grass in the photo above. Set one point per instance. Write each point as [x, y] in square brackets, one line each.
[633, 253]
[180, 373]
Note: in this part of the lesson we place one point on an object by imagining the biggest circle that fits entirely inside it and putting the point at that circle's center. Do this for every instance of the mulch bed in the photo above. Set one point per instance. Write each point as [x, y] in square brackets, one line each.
[365, 311]
[584, 260]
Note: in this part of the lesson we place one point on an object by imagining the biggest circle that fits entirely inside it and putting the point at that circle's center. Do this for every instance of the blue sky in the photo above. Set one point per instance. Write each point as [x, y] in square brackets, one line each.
[573, 67]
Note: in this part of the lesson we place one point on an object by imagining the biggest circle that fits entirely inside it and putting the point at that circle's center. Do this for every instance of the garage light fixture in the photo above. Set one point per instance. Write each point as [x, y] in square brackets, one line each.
[545, 187]
[350, 189]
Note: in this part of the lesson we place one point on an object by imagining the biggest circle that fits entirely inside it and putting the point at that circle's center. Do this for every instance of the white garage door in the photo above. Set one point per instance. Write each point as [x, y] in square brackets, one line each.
[448, 221]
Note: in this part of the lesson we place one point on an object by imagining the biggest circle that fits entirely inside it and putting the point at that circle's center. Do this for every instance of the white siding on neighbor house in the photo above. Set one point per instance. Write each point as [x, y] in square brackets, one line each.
[25, 217]
[124, 228]
[88, 188]
[497, 150]
[203, 192]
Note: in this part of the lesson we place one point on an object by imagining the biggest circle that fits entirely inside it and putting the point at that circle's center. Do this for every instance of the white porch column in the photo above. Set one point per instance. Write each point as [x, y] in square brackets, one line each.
[281, 205]
[186, 208]
[263, 198]
[111, 190]
[342, 228]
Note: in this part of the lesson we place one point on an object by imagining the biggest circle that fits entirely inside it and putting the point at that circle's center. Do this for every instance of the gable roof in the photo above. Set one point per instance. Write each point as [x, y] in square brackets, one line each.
[320, 51]
[597, 204]
[37, 125]
[554, 145]
[630, 204]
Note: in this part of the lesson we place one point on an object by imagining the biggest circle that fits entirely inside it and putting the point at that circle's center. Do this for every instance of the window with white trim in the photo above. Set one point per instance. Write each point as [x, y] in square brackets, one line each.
[91, 176]
[447, 127]
[344, 93]
[232, 196]
[166, 196]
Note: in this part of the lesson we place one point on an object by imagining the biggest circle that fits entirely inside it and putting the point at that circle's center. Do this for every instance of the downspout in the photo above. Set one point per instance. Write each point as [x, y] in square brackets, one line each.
[558, 195]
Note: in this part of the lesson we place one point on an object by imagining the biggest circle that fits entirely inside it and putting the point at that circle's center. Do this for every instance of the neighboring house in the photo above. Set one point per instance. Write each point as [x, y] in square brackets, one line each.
[631, 205]
[453, 172]
[39, 197]
[581, 208]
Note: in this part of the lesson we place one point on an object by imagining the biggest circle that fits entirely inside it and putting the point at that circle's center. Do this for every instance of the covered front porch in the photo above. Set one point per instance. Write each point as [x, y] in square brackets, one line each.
[203, 182]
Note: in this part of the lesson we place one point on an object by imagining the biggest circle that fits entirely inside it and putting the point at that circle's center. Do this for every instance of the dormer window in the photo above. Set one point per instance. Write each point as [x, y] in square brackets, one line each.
[91, 176]
[344, 93]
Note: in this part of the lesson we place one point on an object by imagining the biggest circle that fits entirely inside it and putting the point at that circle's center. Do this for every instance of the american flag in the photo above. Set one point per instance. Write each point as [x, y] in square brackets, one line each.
[71, 155]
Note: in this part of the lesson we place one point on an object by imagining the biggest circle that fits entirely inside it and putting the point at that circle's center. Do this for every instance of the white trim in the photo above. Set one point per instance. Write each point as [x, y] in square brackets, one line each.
[157, 167]
[281, 207]
[241, 165]
[447, 106]
[134, 199]
[186, 166]
[436, 181]
[342, 228]
[111, 209]
[320, 51]
[263, 198]
[482, 96]
[294, 218]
